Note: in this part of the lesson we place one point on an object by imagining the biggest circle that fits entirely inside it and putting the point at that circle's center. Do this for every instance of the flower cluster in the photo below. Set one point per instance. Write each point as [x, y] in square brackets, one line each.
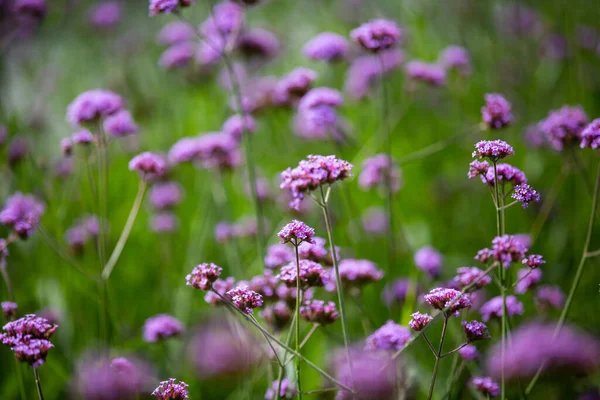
[564, 126]
[203, 276]
[549, 296]
[496, 113]
[245, 299]
[317, 116]
[376, 172]
[9, 309]
[390, 336]
[475, 330]
[160, 327]
[150, 166]
[319, 312]
[366, 71]
[457, 58]
[494, 308]
[486, 386]
[419, 321]
[78, 235]
[471, 277]
[311, 274]
[506, 250]
[396, 291]
[326, 46]
[22, 213]
[91, 106]
[293, 86]
[278, 255]
[167, 6]
[377, 35]
[170, 390]
[590, 136]
[28, 338]
[493, 149]
[211, 150]
[432, 74]
[359, 272]
[296, 232]
[525, 194]
[450, 301]
[429, 260]
[527, 279]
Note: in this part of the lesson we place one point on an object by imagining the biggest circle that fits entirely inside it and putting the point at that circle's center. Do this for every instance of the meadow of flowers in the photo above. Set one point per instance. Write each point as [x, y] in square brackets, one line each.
[328, 199]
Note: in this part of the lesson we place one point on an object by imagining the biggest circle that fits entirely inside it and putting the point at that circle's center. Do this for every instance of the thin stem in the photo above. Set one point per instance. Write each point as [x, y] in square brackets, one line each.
[454, 351]
[126, 231]
[509, 205]
[270, 345]
[280, 375]
[429, 344]
[431, 149]
[6, 277]
[524, 276]
[338, 280]
[497, 202]
[298, 294]
[591, 254]
[38, 384]
[309, 334]
[437, 358]
[549, 201]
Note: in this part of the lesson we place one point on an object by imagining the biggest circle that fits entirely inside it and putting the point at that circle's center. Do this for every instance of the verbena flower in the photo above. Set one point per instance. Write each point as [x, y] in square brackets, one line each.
[167, 6]
[468, 353]
[286, 391]
[564, 126]
[149, 165]
[76, 237]
[317, 116]
[9, 309]
[376, 172]
[457, 58]
[326, 46]
[493, 149]
[178, 55]
[316, 251]
[442, 298]
[319, 312]
[377, 35]
[278, 315]
[28, 338]
[547, 297]
[419, 321]
[373, 375]
[396, 291]
[278, 255]
[432, 74]
[221, 286]
[18, 149]
[236, 126]
[83, 137]
[526, 279]
[176, 32]
[390, 336]
[365, 72]
[105, 15]
[311, 274]
[66, 146]
[507, 249]
[161, 326]
[312, 173]
[486, 386]
[258, 43]
[22, 213]
[203, 276]
[165, 195]
[288, 294]
[590, 135]
[210, 150]
[525, 194]
[296, 232]
[506, 174]
[496, 113]
[92, 105]
[170, 390]
[265, 285]
[245, 299]
[475, 330]
[429, 260]
[467, 276]
[494, 308]
[164, 222]
[359, 272]
[375, 221]
[293, 86]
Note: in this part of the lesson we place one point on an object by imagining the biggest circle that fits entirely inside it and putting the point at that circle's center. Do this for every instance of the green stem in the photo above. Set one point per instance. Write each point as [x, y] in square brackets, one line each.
[20, 380]
[280, 375]
[6, 277]
[298, 319]
[437, 358]
[38, 384]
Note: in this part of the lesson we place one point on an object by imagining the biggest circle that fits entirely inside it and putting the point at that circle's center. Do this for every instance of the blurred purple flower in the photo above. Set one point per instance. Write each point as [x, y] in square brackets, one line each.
[526, 279]
[18, 149]
[149, 165]
[169, 390]
[167, 6]
[160, 327]
[549, 296]
[319, 312]
[35, 8]
[467, 276]
[165, 195]
[105, 15]
[258, 43]
[9, 309]
[278, 255]
[377, 170]
[375, 221]
[22, 213]
[221, 286]
[373, 375]
[311, 274]
[494, 308]
[286, 391]
[468, 353]
[83, 137]
[366, 71]
[277, 315]
[456, 57]
[293, 86]
[377, 35]
[564, 126]
[178, 55]
[355, 273]
[164, 222]
[91, 105]
[496, 113]
[120, 124]
[236, 126]
[432, 74]
[176, 32]
[486, 386]
[590, 135]
[326, 46]
[390, 336]
[429, 260]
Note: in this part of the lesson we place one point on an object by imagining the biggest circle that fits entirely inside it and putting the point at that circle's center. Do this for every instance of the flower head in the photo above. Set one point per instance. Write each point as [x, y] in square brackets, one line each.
[203, 276]
[9, 309]
[456, 57]
[149, 165]
[507, 249]
[326, 46]
[525, 194]
[167, 6]
[314, 251]
[169, 390]
[293, 86]
[390, 336]
[419, 321]
[564, 126]
[221, 286]
[471, 277]
[83, 137]
[258, 43]
[366, 72]
[178, 55]
[494, 308]
[161, 326]
[164, 222]
[94, 104]
[429, 260]
[590, 135]
[468, 352]
[236, 126]
[549, 296]
[486, 386]
[165, 195]
[22, 213]
[496, 113]
[286, 391]
[359, 272]
[526, 279]
[373, 375]
[492, 149]
[319, 312]
[105, 15]
[28, 338]
[377, 35]
[374, 221]
[432, 74]
[475, 330]
[277, 315]
[245, 299]
[176, 32]
[442, 298]
[376, 172]
[296, 232]
[278, 255]
[311, 274]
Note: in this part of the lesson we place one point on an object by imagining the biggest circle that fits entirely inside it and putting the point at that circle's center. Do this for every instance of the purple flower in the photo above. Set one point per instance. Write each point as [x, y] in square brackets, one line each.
[590, 135]
[468, 353]
[326, 46]
[18, 149]
[220, 286]
[479, 168]
[120, 124]
[442, 298]
[534, 344]
[525, 194]
[149, 165]
[164, 222]
[179, 55]
[373, 375]
[496, 113]
[293, 86]
[472, 277]
[506, 174]
[432, 74]
[556, 46]
[419, 321]
[277, 315]
[475, 330]
[518, 20]
[492, 149]
[83, 136]
[28, 338]
[486, 386]
[296, 232]
[161, 326]
[396, 291]
[321, 96]
[526, 279]
[211, 150]
[66, 145]
[564, 126]
[310, 174]
[534, 137]
[366, 71]
[225, 19]
[359, 272]
[494, 308]
[377, 35]
[91, 105]
[311, 274]
[9, 309]
[165, 195]
[236, 126]
[22, 213]
[376, 172]
[265, 285]
[549, 296]
[390, 336]
[167, 6]
[35, 8]
[375, 221]
[319, 312]
[456, 57]
[169, 390]
[506, 250]
[429, 260]
[176, 32]
[245, 299]
[286, 390]
[278, 255]
[76, 237]
[258, 42]
[203, 276]
[105, 15]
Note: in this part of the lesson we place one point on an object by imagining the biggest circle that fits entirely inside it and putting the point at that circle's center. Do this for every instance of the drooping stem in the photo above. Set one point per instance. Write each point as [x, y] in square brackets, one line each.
[298, 294]
[38, 384]
[126, 231]
[437, 358]
[454, 351]
[578, 275]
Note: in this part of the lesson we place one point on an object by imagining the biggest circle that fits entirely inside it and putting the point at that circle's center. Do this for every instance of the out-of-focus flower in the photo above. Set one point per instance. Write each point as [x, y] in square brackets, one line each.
[236, 126]
[467, 276]
[296, 232]
[9, 309]
[390, 336]
[105, 15]
[258, 43]
[377, 35]
[524, 239]
[590, 135]
[211, 150]
[356, 273]
[167, 6]
[520, 20]
[549, 296]
[83, 137]
[496, 113]
[396, 291]
[492, 149]
[534, 344]
[161, 326]
[526, 279]
[506, 249]
[226, 19]
[179, 55]
[149, 165]
[170, 390]
[319, 312]
[475, 330]
[456, 57]
[314, 251]
[66, 145]
[22, 213]
[376, 172]
[419, 321]
[326, 46]
[35, 8]
[534, 137]
[311, 274]
[310, 174]
[28, 338]
[293, 86]
[564, 126]
[317, 116]
[468, 353]
[165, 195]
[203, 276]
[18, 149]
[278, 255]
[432, 74]
[375, 221]
[525, 194]
[486, 386]
[176, 32]
[442, 298]
[245, 299]
[164, 222]
[120, 124]
[430, 261]
[91, 105]
[76, 237]
[221, 286]
[286, 391]
[556, 46]
[278, 315]
[366, 71]
[494, 308]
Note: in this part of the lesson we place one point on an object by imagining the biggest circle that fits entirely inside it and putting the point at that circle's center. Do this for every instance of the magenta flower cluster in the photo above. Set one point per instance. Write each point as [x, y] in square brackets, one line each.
[377, 35]
[203, 276]
[449, 301]
[29, 338]
[419, 321]
[22, 213]
[161, 327]
[171, 390]
[311, 274]
[245, 299]
[475, 330]
[493, 149]
[496, 113]
[296, 232]
[319, 312]
[390, 336]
